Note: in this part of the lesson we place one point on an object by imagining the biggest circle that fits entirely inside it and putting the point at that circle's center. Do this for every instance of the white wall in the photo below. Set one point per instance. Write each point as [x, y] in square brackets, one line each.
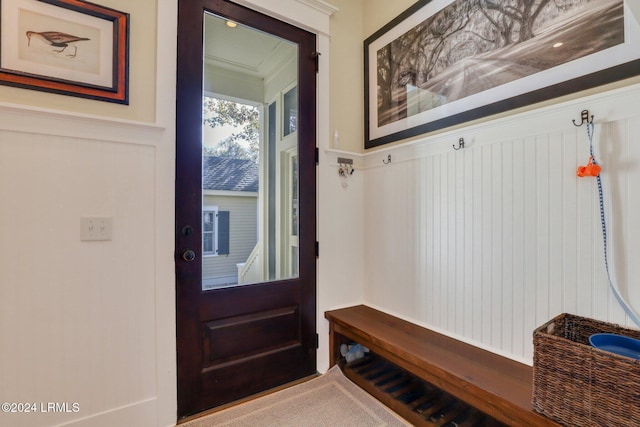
[92, 323]
[459, 241]
[346, 89]
[78, 318]
[489, 242]
[467, 243]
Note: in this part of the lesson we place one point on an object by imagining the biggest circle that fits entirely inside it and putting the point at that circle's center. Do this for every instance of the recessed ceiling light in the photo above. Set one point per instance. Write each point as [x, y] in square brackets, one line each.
[558, 44]
[231, 24]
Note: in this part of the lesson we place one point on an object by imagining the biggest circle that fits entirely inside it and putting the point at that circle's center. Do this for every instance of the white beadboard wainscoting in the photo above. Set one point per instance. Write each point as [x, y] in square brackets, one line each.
[488, 242]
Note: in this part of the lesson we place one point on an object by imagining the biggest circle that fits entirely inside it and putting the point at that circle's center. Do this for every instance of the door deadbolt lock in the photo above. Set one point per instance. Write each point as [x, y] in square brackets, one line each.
[189, 255]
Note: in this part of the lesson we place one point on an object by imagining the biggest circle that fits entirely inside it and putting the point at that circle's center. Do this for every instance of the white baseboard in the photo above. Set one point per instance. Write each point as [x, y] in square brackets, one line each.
[139, 414]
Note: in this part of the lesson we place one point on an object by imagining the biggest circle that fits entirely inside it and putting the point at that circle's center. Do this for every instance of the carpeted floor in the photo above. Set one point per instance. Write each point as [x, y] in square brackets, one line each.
[329, 400]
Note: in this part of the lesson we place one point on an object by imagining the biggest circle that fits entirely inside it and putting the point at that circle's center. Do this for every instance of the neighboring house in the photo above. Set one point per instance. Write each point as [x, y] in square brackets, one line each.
[229, 218]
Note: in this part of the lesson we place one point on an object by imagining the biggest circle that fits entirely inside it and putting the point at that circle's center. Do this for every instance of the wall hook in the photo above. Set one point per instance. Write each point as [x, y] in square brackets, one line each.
[460, 144]
[345, 167]
[584, 118]
[388, 160]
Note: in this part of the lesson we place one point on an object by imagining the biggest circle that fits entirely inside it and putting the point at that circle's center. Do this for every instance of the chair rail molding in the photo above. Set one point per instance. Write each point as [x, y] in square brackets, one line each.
[608, 106]
[27, 119]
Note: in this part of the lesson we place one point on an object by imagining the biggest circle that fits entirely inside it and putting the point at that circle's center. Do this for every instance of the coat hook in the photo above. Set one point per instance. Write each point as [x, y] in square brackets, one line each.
[584, 118]
[345, 167]
[388, 160]
[460, 144]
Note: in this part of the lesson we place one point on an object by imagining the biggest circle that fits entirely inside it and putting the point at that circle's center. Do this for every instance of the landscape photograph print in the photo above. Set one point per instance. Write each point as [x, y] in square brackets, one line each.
[469, 47]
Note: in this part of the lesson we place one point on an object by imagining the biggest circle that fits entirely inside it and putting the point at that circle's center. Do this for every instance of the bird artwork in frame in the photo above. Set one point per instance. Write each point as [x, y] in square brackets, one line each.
[56, 39]
[68, 47]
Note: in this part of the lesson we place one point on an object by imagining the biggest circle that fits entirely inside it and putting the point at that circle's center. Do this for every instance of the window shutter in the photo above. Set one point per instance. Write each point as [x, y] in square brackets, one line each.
[223, 232]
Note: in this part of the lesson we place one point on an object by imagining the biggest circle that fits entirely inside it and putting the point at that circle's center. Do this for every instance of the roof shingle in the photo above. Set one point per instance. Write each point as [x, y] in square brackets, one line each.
[222, 173]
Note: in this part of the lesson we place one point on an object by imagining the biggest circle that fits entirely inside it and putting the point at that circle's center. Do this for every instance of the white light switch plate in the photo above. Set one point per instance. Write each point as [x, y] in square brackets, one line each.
[96, 228]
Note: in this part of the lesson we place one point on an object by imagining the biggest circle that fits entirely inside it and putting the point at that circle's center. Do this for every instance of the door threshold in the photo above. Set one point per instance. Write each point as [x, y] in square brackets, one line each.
[246, 399]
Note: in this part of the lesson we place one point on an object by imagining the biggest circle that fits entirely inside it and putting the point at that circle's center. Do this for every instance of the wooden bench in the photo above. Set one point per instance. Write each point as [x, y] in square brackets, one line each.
[431, 364]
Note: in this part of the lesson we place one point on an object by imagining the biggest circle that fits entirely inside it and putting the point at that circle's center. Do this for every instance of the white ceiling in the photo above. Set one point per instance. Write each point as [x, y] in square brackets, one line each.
[243, 49]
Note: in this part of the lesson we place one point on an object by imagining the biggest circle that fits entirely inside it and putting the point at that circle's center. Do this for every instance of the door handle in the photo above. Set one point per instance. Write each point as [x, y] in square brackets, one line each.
[189, 255]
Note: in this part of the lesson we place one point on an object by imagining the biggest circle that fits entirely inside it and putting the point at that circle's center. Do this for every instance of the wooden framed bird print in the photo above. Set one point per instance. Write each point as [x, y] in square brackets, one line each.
[68, 47]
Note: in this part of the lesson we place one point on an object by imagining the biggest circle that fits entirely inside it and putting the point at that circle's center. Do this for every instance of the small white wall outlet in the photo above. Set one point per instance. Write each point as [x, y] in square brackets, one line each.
[92, 229]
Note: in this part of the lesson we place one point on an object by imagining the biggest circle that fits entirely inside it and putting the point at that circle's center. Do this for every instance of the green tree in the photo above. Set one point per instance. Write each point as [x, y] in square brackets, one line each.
[243, 143]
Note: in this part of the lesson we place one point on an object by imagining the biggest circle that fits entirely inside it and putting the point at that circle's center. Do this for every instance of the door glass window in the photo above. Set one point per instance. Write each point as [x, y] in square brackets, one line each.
[249, 157]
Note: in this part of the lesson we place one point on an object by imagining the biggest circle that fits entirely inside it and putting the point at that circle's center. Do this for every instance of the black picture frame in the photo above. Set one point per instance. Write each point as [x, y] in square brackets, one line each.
[396, 49]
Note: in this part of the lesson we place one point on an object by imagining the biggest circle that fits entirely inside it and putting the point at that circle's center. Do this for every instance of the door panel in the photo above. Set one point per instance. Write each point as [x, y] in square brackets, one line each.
[236, 341]
[240, 338]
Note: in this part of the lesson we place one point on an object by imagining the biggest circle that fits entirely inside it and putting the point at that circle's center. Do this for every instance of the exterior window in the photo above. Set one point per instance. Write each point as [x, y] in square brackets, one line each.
[215, 231]
[290, 113]
[209, 231]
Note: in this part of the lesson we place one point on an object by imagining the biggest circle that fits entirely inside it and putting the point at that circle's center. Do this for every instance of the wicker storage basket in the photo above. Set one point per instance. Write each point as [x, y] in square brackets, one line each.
[578, 385]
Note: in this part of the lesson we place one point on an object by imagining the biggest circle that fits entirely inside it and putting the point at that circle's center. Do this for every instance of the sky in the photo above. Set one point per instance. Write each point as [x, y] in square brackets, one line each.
[212, 136]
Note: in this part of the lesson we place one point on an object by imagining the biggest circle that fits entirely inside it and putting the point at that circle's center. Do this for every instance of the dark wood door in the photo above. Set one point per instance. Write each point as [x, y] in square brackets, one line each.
[236, 341]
